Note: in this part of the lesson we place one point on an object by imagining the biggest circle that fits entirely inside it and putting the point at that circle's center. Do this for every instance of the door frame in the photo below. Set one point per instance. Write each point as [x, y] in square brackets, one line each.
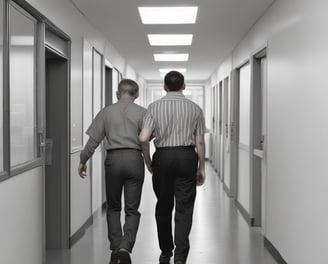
[256, 136]
[235, 142]
[56, 41]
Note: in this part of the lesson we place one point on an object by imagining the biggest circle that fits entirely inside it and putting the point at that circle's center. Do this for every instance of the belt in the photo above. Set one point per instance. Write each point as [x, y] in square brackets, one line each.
[176, 148]
[117, 149]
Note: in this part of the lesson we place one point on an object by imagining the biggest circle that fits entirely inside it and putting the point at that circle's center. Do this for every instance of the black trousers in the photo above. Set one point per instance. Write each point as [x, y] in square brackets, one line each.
[174, 179]
[124, 171]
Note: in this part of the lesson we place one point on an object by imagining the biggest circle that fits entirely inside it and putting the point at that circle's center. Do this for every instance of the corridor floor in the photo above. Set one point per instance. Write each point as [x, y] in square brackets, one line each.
[219, 235]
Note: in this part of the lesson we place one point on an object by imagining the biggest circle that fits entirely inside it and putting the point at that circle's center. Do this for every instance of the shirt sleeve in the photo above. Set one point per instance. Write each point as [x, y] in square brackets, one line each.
[200, 125]
[97, 128]
[149, 121]
[88, 150]
[140, 122]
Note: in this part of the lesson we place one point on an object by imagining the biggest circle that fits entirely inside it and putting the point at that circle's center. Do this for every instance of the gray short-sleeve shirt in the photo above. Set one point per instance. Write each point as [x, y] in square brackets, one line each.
[120, 123]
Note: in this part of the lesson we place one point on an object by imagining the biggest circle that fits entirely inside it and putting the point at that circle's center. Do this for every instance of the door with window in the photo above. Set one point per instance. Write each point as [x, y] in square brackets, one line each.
[243, 176]
[259, 137]
[226, 133]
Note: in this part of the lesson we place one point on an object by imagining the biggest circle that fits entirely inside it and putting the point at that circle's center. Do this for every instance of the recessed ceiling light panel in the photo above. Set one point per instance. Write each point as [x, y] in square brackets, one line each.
[171, 56]
[170, 39]
[168, 15]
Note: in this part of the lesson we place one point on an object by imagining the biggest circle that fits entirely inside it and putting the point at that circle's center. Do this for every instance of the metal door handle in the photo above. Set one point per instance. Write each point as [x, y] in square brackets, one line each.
[259, 153]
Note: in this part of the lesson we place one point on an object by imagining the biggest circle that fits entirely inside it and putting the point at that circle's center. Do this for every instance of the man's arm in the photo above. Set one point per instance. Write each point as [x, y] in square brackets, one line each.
[200, 146]
[144, 142]
[86, 153]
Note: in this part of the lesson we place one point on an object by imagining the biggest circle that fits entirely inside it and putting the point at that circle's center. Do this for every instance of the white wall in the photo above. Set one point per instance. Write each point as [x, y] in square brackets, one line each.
[21, 219]
[297, 39]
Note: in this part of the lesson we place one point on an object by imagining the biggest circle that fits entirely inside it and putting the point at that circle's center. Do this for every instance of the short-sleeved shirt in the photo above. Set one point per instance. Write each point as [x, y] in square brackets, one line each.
[175, 120]
[120, 123]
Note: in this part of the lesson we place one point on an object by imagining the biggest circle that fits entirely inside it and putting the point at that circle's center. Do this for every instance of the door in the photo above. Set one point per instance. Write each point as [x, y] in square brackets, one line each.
[57, 142]
[220, 131]
[108, 94]
[259, 137]
[97, 158]
[226, 134]
[57, 151]
[264, 86]
[243, 174]
[215, 120]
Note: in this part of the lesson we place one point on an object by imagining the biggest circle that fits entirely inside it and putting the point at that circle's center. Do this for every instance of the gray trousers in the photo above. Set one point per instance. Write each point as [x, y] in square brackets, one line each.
[124, 172]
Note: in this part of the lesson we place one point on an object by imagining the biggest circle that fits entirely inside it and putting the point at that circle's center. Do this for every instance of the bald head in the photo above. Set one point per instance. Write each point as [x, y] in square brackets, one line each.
[128, 87]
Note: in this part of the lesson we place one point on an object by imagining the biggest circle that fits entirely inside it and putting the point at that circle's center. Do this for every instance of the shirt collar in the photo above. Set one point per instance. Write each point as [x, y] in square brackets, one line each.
[174, 93]
[125, 100]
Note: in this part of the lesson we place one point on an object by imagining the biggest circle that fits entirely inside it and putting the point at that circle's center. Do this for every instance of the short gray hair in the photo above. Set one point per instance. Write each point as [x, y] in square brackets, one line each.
[128, 86]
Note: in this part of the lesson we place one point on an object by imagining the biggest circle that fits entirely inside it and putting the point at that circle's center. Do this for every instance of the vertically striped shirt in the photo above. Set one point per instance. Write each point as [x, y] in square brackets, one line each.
[174, 120]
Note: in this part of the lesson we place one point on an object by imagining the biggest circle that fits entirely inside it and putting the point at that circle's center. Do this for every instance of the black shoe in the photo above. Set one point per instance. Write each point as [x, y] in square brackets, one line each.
[165, 257]
[179, 262]
[123, 257]
[113, 257]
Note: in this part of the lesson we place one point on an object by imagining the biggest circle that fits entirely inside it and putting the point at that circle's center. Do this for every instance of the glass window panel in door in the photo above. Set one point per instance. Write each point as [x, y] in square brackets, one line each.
[244, 105]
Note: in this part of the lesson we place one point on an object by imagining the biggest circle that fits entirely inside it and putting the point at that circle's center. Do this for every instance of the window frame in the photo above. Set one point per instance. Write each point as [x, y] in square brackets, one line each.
[41, 23]
[4, 174]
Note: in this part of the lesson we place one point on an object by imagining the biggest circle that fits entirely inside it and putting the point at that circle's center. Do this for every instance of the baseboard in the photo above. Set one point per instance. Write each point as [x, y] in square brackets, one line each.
[227, 190]
[244, 213]
[273, 251]
[81, 231]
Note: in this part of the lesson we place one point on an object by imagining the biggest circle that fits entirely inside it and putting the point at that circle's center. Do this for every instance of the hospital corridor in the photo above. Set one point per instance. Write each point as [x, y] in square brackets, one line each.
[230, 95]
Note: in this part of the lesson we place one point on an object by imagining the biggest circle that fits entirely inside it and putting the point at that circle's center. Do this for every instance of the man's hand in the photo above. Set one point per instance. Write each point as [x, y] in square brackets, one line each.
[200, 177]
[82, 170]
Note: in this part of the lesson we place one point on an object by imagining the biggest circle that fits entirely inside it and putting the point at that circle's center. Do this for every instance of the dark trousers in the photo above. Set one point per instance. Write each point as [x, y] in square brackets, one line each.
[124, 171]
[174, 178]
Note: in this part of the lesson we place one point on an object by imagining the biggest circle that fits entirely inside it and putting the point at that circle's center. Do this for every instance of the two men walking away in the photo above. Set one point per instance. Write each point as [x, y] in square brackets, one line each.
[178, 126]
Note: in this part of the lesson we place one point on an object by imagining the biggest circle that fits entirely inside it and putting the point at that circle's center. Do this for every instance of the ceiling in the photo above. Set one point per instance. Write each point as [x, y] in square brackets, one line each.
[220, 26]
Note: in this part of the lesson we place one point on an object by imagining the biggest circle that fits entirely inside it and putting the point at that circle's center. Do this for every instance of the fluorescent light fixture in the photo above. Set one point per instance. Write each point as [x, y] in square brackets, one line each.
[170, 39]
[168, 15]
[171, 56]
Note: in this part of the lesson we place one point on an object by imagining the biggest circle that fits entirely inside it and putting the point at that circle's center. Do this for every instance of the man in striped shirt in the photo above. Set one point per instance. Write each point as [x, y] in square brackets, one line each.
[178, 126]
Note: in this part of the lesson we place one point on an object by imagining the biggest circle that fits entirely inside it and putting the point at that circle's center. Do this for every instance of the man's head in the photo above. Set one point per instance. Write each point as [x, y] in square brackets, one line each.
[174, 81]
[127, 88]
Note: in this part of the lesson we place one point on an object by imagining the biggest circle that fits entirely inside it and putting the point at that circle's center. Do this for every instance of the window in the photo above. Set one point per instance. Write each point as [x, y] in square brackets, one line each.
[244, 104]
[97, 82]
[22, 87]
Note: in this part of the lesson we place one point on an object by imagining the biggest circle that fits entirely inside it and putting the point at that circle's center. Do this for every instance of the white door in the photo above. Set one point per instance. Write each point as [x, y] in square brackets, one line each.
[243, 187]
[226, 133]
[264, 136]
[97, 162]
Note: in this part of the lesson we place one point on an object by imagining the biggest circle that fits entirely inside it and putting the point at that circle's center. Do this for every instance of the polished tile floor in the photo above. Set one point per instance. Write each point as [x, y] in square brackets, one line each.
[219, 234]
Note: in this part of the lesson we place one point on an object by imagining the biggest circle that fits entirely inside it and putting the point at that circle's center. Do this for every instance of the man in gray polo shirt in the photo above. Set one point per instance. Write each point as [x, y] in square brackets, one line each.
[121, 124]
[178, 126]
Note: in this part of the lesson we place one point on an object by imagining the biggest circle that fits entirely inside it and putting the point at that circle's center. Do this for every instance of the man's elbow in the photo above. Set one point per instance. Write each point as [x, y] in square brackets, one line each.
[143, 139]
